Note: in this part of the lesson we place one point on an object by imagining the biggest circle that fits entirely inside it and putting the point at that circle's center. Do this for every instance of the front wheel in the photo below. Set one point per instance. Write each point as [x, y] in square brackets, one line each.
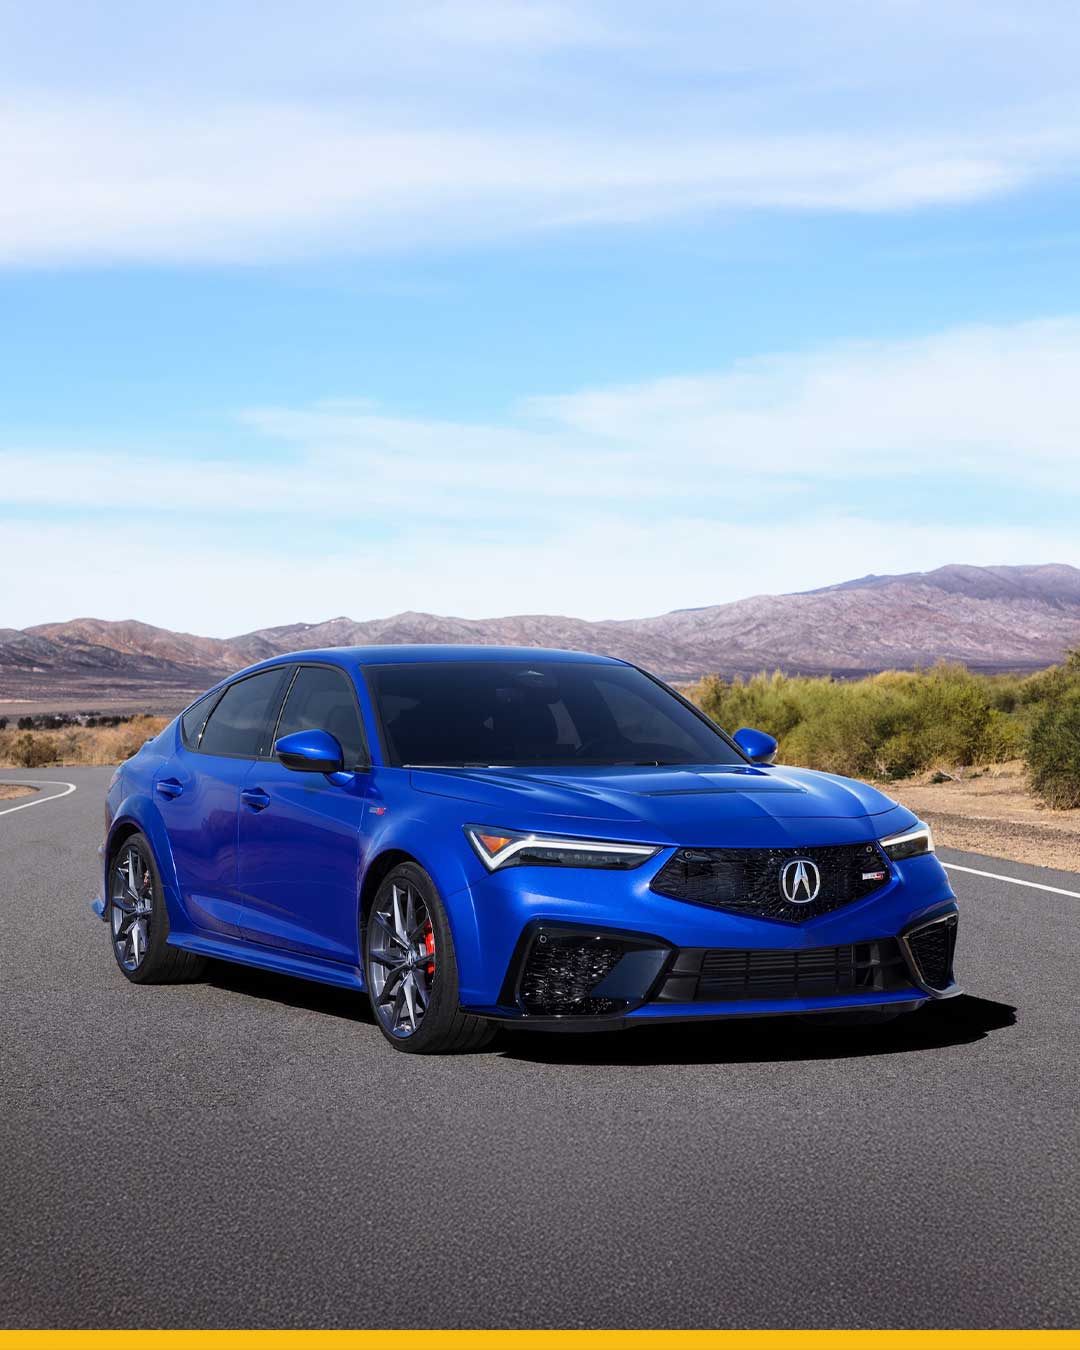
[411, 971]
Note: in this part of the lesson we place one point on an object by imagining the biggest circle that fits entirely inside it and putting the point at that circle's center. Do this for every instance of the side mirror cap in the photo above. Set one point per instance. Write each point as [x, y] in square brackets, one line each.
[310, 752]
[756, 745]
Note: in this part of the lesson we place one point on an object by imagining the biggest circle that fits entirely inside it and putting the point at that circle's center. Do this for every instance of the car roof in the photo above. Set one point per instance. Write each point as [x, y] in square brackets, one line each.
[404, 653]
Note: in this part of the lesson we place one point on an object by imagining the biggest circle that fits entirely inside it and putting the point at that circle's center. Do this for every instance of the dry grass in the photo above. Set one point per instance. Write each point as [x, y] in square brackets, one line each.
[77, 745]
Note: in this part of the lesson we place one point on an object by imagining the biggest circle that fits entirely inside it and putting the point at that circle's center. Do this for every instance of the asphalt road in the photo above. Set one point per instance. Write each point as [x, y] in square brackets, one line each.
[247, 1151]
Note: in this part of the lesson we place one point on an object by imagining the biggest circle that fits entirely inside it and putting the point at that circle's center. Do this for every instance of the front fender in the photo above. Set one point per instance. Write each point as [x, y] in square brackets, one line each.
[438, 844]
[140, 810]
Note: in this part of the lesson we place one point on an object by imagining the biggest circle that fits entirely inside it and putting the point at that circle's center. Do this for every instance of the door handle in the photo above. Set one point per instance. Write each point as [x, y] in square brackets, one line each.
[256, 798]
[169, 787]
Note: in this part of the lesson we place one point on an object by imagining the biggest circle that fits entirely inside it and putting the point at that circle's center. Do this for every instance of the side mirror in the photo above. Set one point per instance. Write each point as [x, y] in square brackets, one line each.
[310, 752]
[756, 745]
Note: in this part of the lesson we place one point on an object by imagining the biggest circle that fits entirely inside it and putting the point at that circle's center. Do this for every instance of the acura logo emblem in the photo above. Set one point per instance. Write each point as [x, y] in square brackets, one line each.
[800, 881]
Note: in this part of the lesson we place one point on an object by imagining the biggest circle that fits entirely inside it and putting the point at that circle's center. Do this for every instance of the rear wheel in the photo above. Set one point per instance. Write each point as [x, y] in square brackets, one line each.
[139, 922]
[411, 970]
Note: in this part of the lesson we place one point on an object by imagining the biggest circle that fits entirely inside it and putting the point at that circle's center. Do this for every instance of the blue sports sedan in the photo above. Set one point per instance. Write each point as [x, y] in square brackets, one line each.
[476, 836]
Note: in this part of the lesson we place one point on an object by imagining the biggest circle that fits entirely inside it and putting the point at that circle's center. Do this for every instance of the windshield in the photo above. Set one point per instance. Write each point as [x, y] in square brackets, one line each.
[501, 713]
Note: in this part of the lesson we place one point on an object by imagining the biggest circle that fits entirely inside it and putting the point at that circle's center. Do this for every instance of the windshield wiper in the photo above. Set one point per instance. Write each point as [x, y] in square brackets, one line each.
[555, 764]
[462, 764]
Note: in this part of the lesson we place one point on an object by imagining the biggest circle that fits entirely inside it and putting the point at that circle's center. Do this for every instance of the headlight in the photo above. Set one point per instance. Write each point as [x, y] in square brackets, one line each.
[497, 848]
[908, 844]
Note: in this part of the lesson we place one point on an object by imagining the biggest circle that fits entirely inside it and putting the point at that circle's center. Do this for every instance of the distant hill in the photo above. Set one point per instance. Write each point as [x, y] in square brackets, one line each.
[991, 618]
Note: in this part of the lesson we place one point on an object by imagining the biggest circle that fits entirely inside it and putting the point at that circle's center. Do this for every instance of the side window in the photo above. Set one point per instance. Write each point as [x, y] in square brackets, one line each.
[239, 723]
[323, 698]
[191, 723]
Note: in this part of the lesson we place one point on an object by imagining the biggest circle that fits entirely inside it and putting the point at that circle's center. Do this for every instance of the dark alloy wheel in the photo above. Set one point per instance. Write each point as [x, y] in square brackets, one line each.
[139, 920]
[411, 970]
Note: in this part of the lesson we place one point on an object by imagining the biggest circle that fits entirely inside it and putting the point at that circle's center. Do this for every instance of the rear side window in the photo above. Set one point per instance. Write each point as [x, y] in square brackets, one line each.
[191, 723]
[323, 699]
[240, 724]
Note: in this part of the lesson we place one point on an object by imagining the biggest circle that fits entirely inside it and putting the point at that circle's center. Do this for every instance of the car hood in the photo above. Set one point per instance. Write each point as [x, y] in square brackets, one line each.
[701, 806]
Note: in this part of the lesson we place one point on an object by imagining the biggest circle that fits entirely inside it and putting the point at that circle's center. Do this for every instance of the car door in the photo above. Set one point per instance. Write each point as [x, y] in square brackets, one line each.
[299, 833]
[198, 793]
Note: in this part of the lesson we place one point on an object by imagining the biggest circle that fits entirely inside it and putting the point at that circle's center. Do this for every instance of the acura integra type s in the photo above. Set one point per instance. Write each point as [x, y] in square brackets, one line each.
[476, 836]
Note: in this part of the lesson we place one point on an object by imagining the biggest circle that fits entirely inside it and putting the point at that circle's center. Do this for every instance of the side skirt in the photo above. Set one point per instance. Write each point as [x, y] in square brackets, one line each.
[270, 958]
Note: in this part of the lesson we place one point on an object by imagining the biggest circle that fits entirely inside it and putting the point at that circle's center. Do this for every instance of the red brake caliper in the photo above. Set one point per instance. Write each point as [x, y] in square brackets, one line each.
[429, 943]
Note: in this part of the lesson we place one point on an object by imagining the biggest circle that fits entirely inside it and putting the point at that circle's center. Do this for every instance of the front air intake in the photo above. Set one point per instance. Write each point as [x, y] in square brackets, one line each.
[931, 950]
[730, 975]
[561, 972]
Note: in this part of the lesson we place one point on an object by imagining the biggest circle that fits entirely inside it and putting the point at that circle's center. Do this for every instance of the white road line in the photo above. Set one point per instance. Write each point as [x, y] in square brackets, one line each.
[1016, 881]
[37, 801]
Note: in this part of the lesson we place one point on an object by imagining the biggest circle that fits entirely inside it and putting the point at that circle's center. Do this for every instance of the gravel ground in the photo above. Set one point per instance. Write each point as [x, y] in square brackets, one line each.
[994, 814]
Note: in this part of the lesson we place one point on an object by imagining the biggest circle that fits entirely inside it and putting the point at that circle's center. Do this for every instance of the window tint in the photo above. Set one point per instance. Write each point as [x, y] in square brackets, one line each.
[324, 699]
[191, 723]
[238, 725]
[550, 713]
[646, 722]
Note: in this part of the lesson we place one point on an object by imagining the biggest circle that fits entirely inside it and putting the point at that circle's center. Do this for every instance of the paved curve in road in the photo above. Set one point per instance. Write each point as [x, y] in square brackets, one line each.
[247, 1151]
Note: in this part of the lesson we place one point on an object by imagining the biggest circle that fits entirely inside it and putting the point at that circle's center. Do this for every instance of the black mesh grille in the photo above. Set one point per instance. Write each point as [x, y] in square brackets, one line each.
[562, 970]
[932, 949]
[748, 880]
[822, 972]
[758, 974]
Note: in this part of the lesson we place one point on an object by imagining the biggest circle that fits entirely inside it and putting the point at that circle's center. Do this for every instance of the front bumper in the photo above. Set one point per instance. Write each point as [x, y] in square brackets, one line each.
[572, 978]
[571, 961]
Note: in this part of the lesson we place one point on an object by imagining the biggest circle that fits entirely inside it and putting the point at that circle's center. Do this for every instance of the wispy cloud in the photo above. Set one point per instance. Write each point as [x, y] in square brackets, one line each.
[372, 127]
[776, 474]
[992, 404]
[110, 179]
[599, 569]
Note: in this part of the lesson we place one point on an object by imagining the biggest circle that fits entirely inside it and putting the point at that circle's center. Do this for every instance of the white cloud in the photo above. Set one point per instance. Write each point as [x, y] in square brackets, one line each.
[985, 405]
[118, 179]
[611, 570]
[778, 474]
[997, 402]
[234, 134]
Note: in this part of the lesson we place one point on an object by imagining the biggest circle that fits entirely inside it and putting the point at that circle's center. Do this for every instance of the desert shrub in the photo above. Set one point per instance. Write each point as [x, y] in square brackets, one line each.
[951, 710]
[127, 739]
[774, 701]
[1050, 685]
[889, 725]
[78, 745]
[1053, 752]
[29, 751]
[1006, 737]
[901, 755]
[67, 746]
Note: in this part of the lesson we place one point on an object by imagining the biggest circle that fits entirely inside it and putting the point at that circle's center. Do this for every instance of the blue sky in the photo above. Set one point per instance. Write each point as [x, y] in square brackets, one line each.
[477, 308]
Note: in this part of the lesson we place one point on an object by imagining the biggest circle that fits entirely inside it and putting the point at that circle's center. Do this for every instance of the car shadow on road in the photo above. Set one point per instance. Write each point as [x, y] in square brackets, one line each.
[935, 1026]
[327, 999]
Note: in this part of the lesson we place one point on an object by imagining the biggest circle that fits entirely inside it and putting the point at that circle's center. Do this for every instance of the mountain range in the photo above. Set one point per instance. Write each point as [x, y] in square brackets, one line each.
[990, 618]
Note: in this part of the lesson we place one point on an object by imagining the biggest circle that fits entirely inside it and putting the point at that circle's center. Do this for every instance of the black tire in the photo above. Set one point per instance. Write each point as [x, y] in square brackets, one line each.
[160, 963]
[443, 1029]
